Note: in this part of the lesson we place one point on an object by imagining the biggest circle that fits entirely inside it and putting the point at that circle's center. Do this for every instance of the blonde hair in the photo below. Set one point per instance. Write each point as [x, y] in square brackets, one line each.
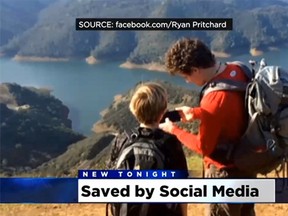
[148, 103]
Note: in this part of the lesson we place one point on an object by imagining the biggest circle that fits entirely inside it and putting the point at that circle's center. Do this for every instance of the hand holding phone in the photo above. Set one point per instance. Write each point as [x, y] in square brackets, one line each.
[173, 116]
[186, 112]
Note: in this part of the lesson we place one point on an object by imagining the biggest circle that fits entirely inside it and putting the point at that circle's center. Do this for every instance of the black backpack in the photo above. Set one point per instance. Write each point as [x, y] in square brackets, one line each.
[139, 150]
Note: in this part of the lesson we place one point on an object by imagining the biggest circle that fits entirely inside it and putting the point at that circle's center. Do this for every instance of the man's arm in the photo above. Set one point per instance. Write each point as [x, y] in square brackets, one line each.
[211, 114]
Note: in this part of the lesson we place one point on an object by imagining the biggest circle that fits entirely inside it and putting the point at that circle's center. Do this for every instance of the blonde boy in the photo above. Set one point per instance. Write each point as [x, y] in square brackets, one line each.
[148, 105]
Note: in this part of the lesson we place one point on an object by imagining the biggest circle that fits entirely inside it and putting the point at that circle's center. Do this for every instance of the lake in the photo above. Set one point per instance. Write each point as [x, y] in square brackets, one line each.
[88, 89]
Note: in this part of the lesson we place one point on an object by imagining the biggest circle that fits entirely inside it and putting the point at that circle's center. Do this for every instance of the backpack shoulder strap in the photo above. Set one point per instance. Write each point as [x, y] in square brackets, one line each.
[119, 143]
[228, 84]
[223, 84]
[248, 72]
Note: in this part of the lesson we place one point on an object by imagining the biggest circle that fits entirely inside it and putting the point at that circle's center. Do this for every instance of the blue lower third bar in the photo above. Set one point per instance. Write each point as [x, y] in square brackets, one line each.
[38, 190]
[133, 174]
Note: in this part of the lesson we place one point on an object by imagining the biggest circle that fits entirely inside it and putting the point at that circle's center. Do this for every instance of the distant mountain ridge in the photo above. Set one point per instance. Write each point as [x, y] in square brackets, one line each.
[258, 25]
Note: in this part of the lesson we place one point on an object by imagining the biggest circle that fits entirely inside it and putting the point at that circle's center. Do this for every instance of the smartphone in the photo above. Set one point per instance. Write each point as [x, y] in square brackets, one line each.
[173, 116]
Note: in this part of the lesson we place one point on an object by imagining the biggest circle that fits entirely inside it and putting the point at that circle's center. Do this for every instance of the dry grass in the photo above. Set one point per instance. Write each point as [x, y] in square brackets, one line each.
[99, 209]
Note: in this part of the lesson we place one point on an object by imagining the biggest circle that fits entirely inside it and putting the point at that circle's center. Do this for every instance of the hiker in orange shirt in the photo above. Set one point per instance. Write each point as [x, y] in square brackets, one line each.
[221, 113]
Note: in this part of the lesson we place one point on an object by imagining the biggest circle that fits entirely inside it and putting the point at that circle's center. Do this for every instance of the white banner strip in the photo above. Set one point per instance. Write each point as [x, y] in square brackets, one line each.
[176, 190]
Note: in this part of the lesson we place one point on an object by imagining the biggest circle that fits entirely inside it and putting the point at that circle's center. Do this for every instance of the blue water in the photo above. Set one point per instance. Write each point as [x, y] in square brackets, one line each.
[88, 89]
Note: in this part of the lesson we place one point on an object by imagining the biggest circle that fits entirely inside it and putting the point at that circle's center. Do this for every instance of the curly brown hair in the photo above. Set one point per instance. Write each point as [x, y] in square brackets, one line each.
[187, 53]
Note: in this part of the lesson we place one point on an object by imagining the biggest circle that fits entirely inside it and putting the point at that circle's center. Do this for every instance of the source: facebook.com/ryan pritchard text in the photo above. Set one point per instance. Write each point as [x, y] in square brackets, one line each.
[154, 24]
